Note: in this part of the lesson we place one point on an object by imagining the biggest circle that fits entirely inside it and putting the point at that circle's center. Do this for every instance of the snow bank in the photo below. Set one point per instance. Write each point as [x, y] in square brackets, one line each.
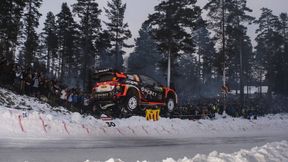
[27, 117]
[22, 116]
[271, 152]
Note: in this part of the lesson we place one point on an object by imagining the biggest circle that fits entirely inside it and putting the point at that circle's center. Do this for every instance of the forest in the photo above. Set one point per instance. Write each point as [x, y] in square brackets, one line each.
[206, 50]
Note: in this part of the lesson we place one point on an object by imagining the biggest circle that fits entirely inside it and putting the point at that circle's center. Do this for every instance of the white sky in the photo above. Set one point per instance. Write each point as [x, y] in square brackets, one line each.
[137, 11]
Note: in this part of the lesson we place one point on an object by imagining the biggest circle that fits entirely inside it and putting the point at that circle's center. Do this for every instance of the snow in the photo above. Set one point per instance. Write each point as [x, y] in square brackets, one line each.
[276, 151]
[27, 118]
[271, 152]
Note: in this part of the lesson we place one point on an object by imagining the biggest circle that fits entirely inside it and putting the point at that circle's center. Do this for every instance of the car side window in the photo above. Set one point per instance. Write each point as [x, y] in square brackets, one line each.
[148, 81]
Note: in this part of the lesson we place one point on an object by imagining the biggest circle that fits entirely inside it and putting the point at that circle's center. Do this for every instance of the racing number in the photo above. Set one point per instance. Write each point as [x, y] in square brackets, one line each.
[111, 124]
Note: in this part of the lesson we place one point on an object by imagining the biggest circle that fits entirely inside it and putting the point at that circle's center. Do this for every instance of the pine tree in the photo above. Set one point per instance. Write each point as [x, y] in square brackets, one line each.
[206, 59]
[104, 46]
[248, 57]
[268, 47]
[189, 68]
[67, 42]
[10, 15]
[172, 25]
[226, 18]
[49, 35]
[206, 52]
[145, 58]
[118, 29]
[31, 22]
[281, 78]
[90, 27]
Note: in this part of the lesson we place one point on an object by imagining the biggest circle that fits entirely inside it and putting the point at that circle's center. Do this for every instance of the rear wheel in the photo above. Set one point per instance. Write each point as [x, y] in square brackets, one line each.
[131, 102]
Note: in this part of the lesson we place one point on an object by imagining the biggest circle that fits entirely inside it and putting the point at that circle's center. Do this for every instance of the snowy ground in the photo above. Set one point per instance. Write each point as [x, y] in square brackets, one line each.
[31, 130]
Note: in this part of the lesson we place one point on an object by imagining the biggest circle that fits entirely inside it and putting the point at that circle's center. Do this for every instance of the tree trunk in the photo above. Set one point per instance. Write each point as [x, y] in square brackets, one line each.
[241, 74]
[224, 57]
[169, 69]
[48, 60]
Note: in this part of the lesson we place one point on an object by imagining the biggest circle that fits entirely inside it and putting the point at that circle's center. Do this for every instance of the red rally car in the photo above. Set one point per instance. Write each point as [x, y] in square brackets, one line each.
[131, 92]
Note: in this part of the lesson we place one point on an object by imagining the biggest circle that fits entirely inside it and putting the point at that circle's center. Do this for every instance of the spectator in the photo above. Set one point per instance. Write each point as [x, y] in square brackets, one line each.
[75, 98]
[70, 99]
[18, 78]
[63, 97]
[35, 85]
[45, 90]
[8, 76]
[41, 83]
[86, 103]
[28, 83]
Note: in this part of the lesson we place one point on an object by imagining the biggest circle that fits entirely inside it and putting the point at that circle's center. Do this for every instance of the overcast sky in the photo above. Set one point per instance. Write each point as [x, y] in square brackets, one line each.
[137, 10]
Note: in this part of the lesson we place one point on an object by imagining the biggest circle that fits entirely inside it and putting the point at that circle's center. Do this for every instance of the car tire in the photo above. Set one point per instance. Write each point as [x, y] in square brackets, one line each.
[131, 102]
[170, 107]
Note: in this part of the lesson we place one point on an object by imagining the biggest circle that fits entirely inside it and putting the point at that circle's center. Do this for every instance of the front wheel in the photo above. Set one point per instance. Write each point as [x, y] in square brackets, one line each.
[131, 102]
[170, 107]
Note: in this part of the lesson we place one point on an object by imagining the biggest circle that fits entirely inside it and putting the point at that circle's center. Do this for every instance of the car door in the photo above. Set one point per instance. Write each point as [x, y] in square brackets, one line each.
[151, 89]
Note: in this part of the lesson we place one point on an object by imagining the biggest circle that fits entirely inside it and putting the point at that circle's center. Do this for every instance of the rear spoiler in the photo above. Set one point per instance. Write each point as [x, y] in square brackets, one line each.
[103, 71]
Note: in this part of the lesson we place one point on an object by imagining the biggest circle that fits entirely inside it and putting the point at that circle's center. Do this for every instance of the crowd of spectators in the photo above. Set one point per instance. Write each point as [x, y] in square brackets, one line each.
[34, 82]
[252, 107]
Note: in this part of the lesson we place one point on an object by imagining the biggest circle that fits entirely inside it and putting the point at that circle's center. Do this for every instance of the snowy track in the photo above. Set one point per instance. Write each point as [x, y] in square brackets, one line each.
[32, 131]
[126, 149]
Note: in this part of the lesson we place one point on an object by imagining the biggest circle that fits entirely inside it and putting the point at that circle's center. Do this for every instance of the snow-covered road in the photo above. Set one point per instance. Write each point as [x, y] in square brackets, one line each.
[126, 149]
[33, 131]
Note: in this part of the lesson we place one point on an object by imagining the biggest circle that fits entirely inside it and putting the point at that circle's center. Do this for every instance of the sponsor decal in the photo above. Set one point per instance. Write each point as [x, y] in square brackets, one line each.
[148, 92]
[159, 89]
[131, 82]
[103, 86]
[152, 114]
[102, 70]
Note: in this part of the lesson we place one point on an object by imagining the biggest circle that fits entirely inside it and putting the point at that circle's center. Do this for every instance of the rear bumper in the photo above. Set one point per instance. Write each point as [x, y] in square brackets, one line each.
[106, 98]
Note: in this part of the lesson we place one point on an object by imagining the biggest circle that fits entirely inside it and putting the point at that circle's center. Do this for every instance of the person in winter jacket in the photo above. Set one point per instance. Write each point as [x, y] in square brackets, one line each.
[35, 85]
[64, 96]
[75, 98]
[42, 84]
[28, 83]
[70, 99]
[86, 103]
[18, 78]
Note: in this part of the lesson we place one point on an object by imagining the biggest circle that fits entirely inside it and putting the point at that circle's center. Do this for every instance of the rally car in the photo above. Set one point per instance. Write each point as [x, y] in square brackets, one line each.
[131, 93]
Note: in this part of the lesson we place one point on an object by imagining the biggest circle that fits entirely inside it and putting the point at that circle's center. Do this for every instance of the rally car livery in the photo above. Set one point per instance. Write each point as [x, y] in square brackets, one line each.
[131, 92]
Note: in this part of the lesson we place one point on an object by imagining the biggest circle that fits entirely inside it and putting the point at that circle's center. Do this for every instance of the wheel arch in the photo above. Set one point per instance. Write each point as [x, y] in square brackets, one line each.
[133, 89]
[172, 94]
